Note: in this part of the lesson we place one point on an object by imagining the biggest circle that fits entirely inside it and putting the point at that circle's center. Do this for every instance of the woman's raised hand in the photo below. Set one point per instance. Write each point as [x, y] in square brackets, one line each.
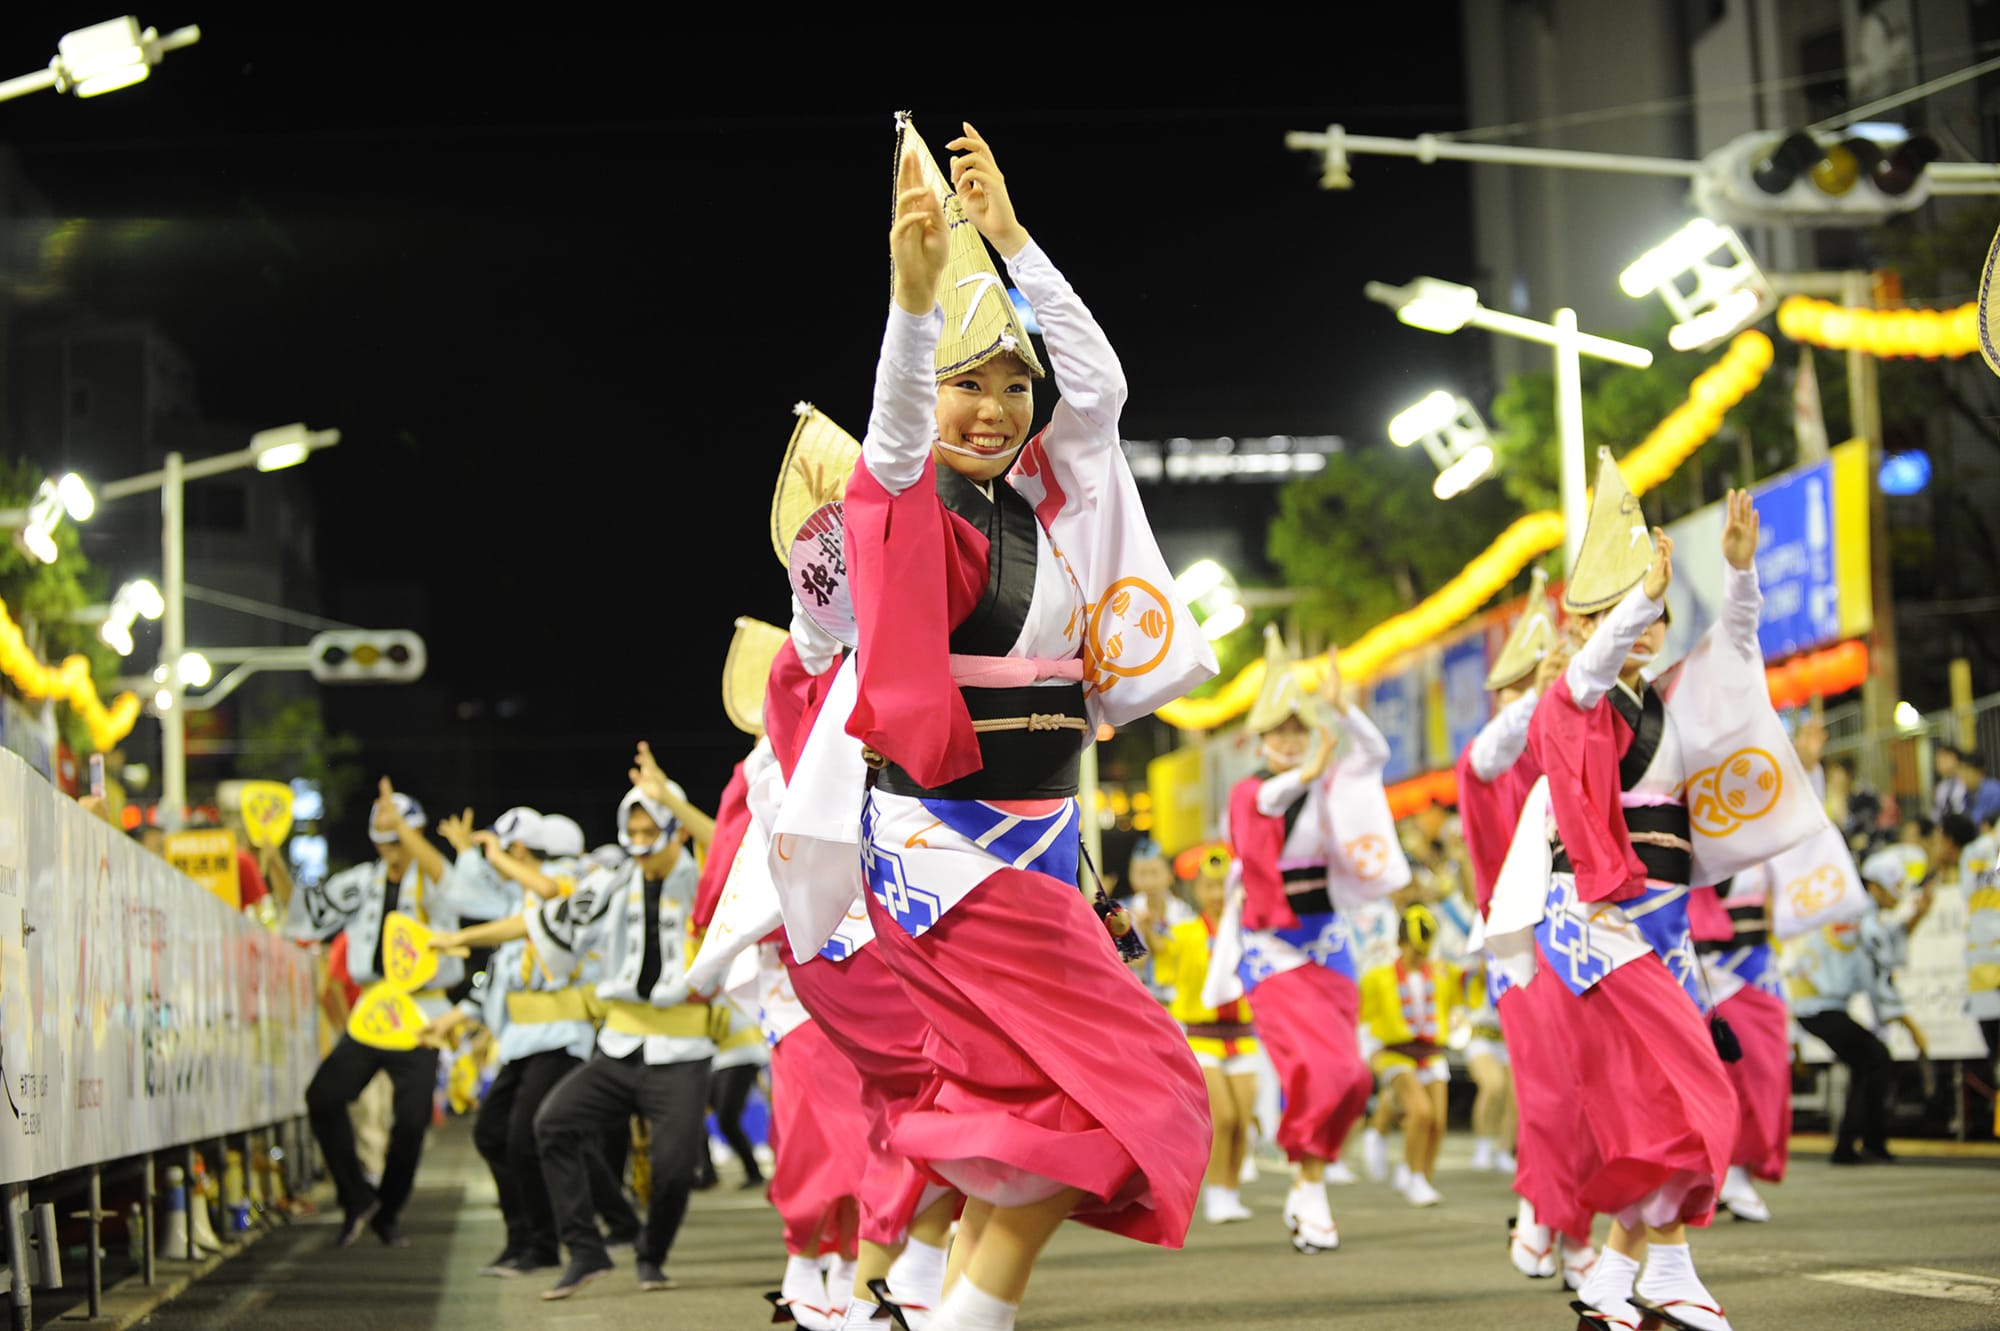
[1661, 575]
[918, 241]
[1739, 536]
[983, 190]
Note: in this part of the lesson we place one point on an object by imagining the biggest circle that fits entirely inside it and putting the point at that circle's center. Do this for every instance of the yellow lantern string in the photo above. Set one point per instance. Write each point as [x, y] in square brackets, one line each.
[69, 682]
[1926, 334]
[1674, 440]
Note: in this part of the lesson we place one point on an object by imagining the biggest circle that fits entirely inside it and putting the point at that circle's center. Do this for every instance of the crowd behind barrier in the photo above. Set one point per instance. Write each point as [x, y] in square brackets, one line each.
[137, 1011]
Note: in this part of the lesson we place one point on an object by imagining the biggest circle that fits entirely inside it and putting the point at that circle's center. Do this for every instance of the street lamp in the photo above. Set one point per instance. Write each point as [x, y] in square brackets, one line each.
[1446, 307]
[101, 58]
[1211, 594]
[269, 450]
[1728, 293]
[1452, 432]
[34, 527]
[138, 599]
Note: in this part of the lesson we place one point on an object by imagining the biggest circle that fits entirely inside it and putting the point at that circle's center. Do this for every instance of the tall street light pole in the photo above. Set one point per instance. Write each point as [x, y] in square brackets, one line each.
[1446, 307]
[270, 450]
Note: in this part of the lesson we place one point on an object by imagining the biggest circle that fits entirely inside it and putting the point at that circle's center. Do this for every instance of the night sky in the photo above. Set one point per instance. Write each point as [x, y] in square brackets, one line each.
[558, 278]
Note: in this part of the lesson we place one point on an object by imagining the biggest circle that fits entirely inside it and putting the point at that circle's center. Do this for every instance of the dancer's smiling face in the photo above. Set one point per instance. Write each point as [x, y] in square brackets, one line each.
[983, 417]
[1286, 744]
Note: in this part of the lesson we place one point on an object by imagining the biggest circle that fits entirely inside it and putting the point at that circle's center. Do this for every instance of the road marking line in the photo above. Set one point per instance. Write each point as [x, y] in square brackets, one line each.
[1920, 1281]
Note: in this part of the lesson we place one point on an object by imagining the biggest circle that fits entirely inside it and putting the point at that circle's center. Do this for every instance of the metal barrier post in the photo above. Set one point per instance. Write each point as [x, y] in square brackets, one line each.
[193, 1200]
[148, 1220]
[94, 1260]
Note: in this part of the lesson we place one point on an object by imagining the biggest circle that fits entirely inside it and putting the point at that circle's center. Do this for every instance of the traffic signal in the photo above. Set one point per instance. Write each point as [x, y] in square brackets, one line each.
[366, 656]
[1802, 179]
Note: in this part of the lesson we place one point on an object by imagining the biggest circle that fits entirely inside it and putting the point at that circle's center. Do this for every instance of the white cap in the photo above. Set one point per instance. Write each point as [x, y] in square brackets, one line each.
[561, 837]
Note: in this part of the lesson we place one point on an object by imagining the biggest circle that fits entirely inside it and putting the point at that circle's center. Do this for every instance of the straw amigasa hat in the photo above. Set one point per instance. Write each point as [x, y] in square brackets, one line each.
[1282, 697]
[817, 463]
[1528, 645]
[746, 670]
[1987, 350]
[980, 321]
[1617, 545]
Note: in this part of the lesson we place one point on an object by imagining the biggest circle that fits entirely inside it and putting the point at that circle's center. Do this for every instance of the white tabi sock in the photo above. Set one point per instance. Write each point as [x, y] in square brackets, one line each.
[916, 1277]
[804, 1281]
[1610, 1281]
[1670, 1275]
[969, 1308]
[861, 1317]
[840, 1282]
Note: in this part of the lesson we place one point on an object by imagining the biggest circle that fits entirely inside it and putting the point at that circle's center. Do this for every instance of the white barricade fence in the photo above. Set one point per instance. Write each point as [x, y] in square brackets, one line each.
[137, 1011]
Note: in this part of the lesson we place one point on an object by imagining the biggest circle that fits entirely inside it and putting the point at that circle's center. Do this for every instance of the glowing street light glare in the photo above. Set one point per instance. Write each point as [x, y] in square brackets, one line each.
[1201, 578]
[40, 543]
[285, 455]
[1736, 310]
[1471, 468]
[145, 598]
[117, 636]
[288, 445]
[1697, 240]
[194, 670]
[1908, 717]
[1225, 621]
[163, 701]
[77, 499]
[1427, 417]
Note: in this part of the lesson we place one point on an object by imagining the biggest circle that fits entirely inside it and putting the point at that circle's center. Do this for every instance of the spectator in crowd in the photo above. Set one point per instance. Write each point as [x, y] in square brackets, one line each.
[1948, 794]
[1982, 793]
[1826, 969]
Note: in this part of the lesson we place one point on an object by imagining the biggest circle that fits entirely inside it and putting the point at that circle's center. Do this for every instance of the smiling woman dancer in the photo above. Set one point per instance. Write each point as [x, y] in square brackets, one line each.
[1007, 598]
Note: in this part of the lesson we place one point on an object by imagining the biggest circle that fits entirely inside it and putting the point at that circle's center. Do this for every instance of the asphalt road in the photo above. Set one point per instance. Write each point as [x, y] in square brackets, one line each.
[1913, 1245]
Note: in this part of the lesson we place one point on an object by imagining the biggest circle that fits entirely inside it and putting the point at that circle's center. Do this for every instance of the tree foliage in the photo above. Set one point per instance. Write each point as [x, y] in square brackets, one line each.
[42, 597]
[1369, 536]
[284, 738]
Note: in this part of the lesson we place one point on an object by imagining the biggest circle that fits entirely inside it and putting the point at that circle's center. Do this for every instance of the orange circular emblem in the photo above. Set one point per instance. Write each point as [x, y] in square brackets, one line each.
[1131, 630]
[1369, 856]
[1814, 892]
[1741, 789]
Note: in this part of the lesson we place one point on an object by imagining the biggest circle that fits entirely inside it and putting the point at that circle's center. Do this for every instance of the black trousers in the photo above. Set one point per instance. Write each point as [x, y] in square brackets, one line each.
[570, 1128]
[505, 1136]
[728, 1091]
[347, 1069]
[1871, 1079]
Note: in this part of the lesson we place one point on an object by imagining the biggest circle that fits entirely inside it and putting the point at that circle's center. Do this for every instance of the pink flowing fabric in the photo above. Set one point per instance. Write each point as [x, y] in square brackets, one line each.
[1488, 812]
[1258, 839]
[1306, 1018]
[819, 1136]
[1708, 918]
[1551, 1121]
[1627, 1106]
[1763, 1081]
[732, 819]
[1051, 1065]
[1581, 751]
[862, 1012]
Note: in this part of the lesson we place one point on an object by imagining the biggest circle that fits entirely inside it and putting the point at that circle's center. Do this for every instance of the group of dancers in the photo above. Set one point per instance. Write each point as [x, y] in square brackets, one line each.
[890, 885]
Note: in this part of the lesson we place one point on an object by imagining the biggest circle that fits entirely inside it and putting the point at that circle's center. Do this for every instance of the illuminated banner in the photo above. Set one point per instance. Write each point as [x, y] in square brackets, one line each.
[1397, 708]
[137, 1011]
[1466, 706]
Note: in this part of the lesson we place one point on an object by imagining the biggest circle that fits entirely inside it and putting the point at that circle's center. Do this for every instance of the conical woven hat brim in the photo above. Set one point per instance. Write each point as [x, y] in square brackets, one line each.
[1531, 640]
[980, 321]
[1617, 545]
[818, 462]
[747, 670]
[1281, 697]
[1987, 350]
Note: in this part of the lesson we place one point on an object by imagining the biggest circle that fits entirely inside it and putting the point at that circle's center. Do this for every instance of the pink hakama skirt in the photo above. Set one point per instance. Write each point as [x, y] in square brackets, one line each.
[1550, 1123]
[1763, 1081]
[1052, 1066]
[1653, 1114]
[819, 1136]
[1306, 1018]
[864, 1014]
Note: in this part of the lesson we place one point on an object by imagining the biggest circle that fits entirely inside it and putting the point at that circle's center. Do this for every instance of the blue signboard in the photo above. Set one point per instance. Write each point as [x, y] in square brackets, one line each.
[1398, 712]
[1795, 564]
[1466, 706]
